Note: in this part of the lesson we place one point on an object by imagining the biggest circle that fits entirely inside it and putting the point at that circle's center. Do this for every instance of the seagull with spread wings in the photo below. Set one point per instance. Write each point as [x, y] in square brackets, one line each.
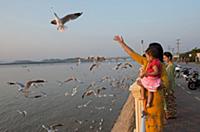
[88, 93]
[59, 22]
[24, 113]
[69, 79]
[25, 87]
[52, 128]
[30, 83]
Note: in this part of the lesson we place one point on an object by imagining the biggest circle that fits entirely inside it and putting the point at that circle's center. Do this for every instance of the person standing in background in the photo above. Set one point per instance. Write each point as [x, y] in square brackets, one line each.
[170, 99]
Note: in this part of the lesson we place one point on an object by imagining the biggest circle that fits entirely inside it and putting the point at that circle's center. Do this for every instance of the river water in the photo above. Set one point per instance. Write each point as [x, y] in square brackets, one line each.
[89, 114]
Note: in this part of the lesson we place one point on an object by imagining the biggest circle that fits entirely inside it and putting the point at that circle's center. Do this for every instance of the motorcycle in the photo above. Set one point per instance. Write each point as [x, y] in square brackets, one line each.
[194, 81]
[177, 71]
[186, 73]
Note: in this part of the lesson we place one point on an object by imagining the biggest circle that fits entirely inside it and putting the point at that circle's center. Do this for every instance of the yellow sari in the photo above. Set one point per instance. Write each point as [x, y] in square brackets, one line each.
[155, 114]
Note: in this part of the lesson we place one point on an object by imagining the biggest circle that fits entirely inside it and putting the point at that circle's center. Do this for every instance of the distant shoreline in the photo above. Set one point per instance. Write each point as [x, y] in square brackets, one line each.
[69, 60]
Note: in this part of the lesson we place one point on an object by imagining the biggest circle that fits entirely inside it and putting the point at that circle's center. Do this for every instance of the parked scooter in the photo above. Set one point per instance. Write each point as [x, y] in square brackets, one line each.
[177, 71]
[185, 73]
[194, 81]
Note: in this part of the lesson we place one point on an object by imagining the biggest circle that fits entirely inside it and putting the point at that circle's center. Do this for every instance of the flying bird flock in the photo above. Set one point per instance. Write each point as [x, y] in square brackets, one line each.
[99, 89]
[88, 92]
[60, 22]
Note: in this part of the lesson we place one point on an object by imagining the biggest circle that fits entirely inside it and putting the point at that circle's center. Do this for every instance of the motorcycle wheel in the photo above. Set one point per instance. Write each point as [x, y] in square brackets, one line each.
[192, 86]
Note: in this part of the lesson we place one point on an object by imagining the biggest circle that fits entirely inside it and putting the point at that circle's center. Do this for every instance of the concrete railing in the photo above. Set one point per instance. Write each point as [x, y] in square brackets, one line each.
[129, 119]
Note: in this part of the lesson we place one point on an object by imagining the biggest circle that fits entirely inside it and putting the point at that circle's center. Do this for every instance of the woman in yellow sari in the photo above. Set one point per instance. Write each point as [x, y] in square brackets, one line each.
[155, 114]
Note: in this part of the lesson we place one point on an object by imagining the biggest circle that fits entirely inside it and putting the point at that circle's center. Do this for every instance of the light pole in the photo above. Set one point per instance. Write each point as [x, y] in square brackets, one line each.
[142, 44]
[178, 44]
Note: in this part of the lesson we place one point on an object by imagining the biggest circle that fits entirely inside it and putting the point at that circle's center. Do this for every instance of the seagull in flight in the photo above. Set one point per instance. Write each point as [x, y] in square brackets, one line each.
[92, 91]
[52, 128]
[128, 64]
[25, 87]
[24, 113]
[117, 66]
[69, 79]
[88, 93]
[59, 22]
[30, 83]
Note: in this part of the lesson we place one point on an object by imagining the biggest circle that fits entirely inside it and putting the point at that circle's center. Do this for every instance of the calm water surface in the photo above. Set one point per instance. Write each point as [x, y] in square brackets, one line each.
[99, 115]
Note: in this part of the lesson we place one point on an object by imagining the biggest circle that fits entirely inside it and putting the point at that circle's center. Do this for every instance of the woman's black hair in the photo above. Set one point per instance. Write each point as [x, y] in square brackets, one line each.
[159, 50]
[153, 52]
[144, 55]
[168, 54]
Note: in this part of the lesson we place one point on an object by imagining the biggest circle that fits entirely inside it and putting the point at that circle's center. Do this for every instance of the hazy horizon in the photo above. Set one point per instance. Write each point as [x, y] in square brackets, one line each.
[26, 32]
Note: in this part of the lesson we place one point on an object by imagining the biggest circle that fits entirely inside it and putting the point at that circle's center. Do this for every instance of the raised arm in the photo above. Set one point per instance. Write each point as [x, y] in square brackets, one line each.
[135, 56]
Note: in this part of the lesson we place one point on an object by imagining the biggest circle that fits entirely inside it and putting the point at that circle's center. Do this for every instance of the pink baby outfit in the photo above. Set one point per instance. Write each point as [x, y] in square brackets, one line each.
[152, 82]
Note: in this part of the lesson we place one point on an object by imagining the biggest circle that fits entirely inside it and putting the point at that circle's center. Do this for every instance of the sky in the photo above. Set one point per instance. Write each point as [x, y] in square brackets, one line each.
[26, 32]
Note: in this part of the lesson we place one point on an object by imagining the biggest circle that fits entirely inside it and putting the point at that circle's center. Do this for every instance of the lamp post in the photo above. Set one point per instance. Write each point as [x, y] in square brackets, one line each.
[178, 44]
[142, 46]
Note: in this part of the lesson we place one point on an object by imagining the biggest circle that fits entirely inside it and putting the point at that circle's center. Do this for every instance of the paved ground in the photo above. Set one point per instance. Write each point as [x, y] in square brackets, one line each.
[188, 107]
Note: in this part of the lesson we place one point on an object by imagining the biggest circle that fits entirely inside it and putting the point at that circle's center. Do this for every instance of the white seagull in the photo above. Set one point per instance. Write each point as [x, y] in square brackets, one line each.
[24, 113]
[25, 87]
[88, 93]
[52, 128]
[59, 22]
[72, 78]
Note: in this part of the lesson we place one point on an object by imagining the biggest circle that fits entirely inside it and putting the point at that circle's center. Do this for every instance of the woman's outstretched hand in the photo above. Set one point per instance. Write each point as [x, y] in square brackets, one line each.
[119, 39]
